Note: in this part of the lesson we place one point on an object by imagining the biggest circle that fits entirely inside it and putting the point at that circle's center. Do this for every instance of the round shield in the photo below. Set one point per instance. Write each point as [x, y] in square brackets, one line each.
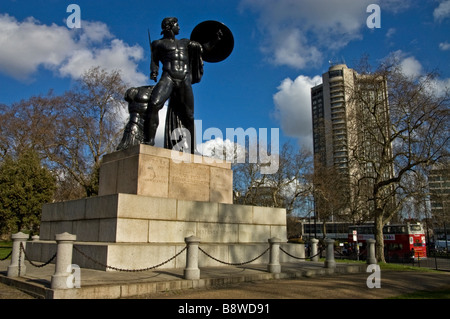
[215, 48]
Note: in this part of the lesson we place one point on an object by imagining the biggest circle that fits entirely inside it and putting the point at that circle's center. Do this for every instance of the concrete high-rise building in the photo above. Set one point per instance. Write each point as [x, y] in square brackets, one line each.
[439, 185]
[340, 121]
[330, 111]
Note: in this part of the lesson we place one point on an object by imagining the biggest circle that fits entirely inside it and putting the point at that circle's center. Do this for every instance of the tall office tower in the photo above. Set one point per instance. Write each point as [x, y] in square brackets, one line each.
[439, 186]
[330, 111]
[340, 107]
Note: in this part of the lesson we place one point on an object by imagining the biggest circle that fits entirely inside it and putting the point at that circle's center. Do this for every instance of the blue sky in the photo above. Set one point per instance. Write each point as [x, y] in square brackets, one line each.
[281, 49]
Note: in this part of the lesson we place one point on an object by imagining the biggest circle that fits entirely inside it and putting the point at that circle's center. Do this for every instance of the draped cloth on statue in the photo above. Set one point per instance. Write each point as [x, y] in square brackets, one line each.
[179, 128]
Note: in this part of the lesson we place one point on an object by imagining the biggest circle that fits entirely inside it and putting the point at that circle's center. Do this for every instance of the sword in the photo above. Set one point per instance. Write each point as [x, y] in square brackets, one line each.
[149, 39]
[150, 44]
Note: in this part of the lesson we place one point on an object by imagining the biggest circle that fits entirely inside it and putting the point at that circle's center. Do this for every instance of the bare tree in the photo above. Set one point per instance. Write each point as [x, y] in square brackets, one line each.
[331, 194]
[71, 132]
[29, 124]
[289, 187]
[394, 135]
[90, 126]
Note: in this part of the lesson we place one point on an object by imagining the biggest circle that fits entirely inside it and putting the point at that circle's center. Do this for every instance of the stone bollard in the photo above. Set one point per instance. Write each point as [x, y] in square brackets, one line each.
[63, 260]
[329, 261]
[192, 271]
[35, 238]
[371, 259]
[274, 266]
[314, 250]
[15, 266]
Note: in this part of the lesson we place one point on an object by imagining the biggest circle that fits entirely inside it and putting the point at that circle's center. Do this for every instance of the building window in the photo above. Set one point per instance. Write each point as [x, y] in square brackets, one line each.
[335, 73]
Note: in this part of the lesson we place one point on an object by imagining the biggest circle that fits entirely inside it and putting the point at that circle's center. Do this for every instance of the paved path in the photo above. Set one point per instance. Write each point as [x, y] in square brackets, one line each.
[336, 286]
[7, 292]
[342, 286]
[96, 284]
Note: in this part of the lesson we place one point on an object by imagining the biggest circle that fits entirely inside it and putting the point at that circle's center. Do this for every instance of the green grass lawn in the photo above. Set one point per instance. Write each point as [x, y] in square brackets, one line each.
[400, 267]
[443, 293]
[5, 251]
[389, 266]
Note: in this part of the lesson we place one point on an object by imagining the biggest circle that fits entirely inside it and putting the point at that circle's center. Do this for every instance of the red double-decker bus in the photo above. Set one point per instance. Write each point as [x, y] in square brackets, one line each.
[400, 240]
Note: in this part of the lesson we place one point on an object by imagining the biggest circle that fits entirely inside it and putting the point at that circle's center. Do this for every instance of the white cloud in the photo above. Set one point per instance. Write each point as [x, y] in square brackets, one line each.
[24, 46]
[116, 56]
[440, 87]
[444, 46]
[218, 147]
[390, 32]
[394, 6]
[159, 137]
[411, 67]
[442, 11]
[293, 50]
[94, 32]
[298, 32]
[27, 45]
[293, 107]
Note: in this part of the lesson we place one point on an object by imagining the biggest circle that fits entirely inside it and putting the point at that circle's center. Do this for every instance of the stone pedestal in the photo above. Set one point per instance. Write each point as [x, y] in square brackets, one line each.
[148, 204]
[158, 172]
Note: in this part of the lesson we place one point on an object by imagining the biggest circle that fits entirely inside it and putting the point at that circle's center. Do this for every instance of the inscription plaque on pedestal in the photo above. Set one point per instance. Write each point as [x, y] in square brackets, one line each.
[151, 171]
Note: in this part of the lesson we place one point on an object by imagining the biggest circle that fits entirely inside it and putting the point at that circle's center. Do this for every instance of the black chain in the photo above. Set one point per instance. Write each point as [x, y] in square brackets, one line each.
[20, 257]
[31, 262]
[233, 264]
[127, 270]
[6, 256]
[302, 258]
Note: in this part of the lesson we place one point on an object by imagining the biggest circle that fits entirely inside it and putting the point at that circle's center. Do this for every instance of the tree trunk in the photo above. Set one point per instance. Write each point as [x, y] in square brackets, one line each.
[379, 245]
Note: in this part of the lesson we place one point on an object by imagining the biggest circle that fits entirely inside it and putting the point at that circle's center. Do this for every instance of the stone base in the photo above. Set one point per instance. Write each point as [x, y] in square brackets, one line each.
[150, 200]
[125, 218]
[158, 172]
[132, 256]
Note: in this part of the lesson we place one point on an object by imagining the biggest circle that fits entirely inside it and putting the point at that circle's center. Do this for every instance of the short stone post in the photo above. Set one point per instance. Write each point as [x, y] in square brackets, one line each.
[192, 271]
[274, 266]
[314, 250]
[63, 260]
[13, 268]
[371, 259]
[329, 261]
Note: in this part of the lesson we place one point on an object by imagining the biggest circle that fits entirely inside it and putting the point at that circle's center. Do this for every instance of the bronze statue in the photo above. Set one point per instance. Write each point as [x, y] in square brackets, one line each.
[137, 98]
[182, 66]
